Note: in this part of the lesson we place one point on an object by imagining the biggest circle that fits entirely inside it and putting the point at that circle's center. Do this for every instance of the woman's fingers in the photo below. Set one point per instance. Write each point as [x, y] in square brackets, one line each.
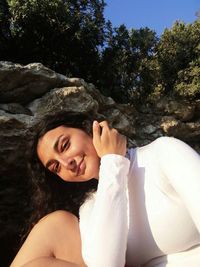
[108, 141]
[103, 128]
[96, 132]
[104, 125]
[98, 129]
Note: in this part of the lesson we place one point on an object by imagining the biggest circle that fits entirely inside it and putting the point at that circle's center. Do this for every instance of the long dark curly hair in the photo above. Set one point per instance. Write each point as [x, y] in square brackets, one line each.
[50, 192]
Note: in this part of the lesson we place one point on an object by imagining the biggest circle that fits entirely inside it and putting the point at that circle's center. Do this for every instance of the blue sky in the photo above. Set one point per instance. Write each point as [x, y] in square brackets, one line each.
[155, 14]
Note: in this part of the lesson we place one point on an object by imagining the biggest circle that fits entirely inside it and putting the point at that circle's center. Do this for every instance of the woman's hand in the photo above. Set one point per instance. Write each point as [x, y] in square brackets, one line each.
[108, 141]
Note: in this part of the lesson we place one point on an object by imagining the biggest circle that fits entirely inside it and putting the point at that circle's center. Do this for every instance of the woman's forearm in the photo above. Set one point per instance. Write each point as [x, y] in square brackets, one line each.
[104, 229]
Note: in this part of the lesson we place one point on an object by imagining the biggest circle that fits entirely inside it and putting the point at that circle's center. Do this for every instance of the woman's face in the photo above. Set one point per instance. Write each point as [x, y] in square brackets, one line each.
[69, 152]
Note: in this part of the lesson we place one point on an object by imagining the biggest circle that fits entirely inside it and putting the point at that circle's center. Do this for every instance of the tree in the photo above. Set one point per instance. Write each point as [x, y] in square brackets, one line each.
[117, 64]
[128, 63]
[63, 35]
[72, 37]
[176, 50]
[143, 42]
[5, 34]
[188, 81]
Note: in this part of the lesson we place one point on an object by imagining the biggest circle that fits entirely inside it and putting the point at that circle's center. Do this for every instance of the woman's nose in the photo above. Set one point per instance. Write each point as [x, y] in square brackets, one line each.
[68, 163]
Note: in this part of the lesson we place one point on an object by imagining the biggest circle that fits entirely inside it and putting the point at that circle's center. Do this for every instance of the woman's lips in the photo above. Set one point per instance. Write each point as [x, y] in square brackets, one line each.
[81, 167]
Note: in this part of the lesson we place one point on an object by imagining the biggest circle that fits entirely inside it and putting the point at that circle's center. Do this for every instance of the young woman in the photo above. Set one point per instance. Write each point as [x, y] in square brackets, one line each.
[145, 211]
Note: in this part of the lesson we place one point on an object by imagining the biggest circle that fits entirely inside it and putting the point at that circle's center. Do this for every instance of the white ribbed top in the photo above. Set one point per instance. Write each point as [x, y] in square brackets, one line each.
[147, 214]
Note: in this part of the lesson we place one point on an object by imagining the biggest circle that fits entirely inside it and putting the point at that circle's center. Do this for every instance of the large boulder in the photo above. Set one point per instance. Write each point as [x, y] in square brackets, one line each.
[22, 84]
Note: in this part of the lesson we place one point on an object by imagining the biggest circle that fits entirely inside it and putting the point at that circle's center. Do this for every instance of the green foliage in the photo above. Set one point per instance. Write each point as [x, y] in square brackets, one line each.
[128, 63]
[176, 49]
[5, 34]
[116, 64]
[188, 82]
[63, 35]
[72, 37]
[143, 43]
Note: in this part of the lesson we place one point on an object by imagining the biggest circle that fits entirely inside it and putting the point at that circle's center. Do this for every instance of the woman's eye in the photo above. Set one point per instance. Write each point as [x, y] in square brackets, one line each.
[65, 145]
[56, 168]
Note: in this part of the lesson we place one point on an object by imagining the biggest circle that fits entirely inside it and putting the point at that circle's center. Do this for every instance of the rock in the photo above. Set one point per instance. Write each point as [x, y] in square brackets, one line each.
[66, 98]
[15, 108]
[184, 111]
[189, 131]
[22, 84]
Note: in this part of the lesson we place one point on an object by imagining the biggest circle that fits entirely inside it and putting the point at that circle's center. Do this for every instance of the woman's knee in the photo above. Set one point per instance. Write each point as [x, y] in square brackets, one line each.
[62, 229]
[48, 237]
[59, 216]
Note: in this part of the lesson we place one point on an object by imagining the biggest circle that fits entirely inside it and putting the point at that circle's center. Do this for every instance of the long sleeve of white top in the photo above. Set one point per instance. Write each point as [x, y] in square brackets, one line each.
[105, 225]
[181, 165]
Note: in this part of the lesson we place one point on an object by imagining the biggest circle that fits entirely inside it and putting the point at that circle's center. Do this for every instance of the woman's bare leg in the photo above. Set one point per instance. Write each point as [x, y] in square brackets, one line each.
[54, 241]
[50, 262]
